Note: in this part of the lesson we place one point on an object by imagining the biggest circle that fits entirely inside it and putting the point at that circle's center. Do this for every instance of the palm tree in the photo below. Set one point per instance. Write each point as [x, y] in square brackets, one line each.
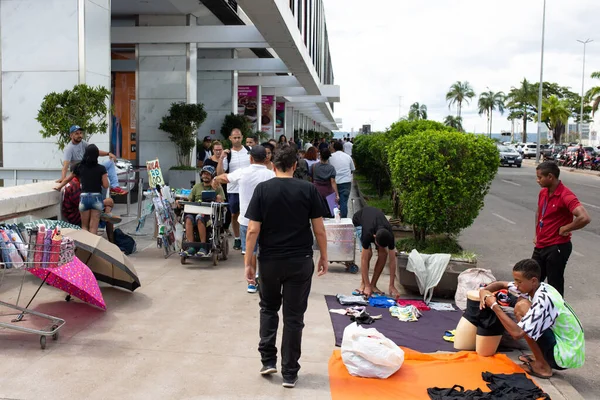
[417, 111]
[488, 103]
[521, 103]
[459, 92]
[555, 114]
[454, 122]
[594, 94]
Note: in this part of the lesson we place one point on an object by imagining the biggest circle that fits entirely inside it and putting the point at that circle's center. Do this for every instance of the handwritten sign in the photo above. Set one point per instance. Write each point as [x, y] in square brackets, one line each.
[155, 176]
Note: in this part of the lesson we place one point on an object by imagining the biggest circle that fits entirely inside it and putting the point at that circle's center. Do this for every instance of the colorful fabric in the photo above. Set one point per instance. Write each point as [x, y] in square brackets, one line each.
[419, 304]
[381, 302]
[70, 204]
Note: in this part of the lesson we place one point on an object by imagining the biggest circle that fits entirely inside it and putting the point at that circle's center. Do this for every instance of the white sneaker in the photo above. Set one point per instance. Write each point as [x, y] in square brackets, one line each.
[252, 288]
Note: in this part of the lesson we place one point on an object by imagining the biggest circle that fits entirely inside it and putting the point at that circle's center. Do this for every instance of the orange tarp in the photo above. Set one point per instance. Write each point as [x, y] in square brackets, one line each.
[418, 373]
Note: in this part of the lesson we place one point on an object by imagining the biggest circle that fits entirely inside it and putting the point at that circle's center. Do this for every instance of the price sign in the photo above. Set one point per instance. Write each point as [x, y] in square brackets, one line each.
[154, 173]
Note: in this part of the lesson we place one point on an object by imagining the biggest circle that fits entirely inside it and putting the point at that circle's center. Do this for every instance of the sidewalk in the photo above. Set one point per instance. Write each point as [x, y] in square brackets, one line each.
[567, 169]
[188, 332]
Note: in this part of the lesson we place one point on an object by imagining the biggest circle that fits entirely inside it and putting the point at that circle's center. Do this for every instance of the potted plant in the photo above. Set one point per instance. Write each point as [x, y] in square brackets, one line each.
[182, 123]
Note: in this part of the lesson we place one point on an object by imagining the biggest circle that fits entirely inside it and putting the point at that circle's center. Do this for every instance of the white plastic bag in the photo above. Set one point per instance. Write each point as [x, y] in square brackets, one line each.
[369, 354]
[178, 236]
[428, 270]
[468, 280]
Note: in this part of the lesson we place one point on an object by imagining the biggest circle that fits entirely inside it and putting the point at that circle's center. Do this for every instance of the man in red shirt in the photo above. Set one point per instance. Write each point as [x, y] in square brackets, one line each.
[554, 222]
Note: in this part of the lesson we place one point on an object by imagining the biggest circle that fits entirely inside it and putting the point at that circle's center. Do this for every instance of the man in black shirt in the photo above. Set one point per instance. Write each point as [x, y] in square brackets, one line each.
[282, 210]
[204, 152]
[374, 228]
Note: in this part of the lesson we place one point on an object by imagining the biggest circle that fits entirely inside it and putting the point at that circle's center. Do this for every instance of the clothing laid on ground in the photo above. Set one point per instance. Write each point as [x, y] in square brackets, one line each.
[239, 159]
[502, 386]
[90, 177]
[247, 179]
[371, 220]
[285, 199]
[485, 320]
[420, 304]
[549, 311]
[344, 166]
[352, 300]
[70, 202]
[437, 306]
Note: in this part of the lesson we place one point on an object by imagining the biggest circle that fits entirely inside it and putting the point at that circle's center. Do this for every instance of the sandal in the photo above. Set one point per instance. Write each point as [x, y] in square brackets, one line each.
[358, 292]
[526, 358]
[529, 370]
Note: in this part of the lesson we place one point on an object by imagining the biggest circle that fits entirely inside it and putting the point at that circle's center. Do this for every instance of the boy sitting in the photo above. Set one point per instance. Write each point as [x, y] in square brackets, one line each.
[548, 323]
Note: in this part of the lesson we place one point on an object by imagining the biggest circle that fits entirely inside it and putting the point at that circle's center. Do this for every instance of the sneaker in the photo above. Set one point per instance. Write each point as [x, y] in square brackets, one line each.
[113, 219]
[201, 252]
[243, 253]
[289, 382]
[252, 288]
[268, 370]
[190, 251]
[118, 191]
[237, 244]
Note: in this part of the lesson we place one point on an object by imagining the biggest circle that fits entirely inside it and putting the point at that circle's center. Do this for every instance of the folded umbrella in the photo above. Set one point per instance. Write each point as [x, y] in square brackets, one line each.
[106, 260]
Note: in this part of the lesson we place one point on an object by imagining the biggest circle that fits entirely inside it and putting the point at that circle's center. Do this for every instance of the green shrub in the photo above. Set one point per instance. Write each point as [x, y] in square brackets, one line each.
[432, 245]
[402, 128]
[182, 123]
[442, 178]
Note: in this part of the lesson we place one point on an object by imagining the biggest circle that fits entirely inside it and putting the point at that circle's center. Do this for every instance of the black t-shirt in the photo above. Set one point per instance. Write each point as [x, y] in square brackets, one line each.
[211, 163]
[284, 207]
[203, 153]
[371, 219]
[90, 177]
[323, 145]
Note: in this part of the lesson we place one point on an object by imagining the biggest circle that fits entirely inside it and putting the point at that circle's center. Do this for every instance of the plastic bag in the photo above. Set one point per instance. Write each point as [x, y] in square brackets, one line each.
[428, 270]
[468, 280]
[178, 236]
[369, 354]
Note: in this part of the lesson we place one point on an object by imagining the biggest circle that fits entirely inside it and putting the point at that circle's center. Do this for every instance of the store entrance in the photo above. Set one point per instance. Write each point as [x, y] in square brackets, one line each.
[123, 135]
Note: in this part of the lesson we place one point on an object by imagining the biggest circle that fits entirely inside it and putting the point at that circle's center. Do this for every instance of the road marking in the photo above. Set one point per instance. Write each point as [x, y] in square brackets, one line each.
[512, 183]
[590, 205]
[577, 253]
[504, 219]
[592, 186]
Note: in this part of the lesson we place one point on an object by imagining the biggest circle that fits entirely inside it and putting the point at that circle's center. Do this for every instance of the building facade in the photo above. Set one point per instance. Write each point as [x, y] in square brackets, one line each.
[267, 59]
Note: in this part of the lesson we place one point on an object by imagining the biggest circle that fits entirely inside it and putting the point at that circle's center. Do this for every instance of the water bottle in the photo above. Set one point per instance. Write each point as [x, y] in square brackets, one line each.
[337, 215]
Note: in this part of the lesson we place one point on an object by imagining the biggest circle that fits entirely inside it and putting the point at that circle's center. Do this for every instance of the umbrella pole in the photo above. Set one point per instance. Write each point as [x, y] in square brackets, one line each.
[20, 317]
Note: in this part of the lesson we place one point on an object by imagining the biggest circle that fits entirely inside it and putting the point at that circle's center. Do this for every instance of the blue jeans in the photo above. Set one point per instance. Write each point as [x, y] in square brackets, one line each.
[344, 192]
[91, 201]
[111, 170]
[243, 231]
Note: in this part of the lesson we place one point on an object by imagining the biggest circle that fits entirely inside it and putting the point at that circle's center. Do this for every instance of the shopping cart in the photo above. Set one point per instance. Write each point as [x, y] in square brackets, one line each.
[341, 243]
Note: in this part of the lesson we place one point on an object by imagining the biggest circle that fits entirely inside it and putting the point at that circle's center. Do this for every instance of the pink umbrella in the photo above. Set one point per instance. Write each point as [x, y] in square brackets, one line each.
[74, 278]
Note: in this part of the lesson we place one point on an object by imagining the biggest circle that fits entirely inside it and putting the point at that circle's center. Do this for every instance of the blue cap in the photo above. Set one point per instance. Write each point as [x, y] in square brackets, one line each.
[75, 128]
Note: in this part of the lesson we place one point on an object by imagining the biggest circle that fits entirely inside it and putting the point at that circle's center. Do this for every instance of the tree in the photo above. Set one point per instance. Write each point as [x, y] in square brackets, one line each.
[417, 111]
[235, 121]
[84, 105]
[459, 92]
[521, 104]
[454, 122]
[593, 95]
[181, 124]
[555, 114]
[488, 103]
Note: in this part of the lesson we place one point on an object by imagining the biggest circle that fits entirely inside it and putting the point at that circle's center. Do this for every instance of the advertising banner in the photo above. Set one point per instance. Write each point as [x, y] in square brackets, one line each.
[248, 104]
[280, 119]
[155, 176]
[268, 111]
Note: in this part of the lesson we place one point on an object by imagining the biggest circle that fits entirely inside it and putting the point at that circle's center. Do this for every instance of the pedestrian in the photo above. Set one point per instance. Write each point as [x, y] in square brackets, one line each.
[247, 179]
[580, 155]
[344, 168]
[554, 222]
[282, 139]
[251, 141]
[269, 149]
[372, 227]
[348, 146]
[71, 197]
[93, 177]
[217, 151]
[204, 152]
[273, 143]
[323, 175]
[286, 260]
[323, 144]
[232, 159]
[311, 158]
[74, 154]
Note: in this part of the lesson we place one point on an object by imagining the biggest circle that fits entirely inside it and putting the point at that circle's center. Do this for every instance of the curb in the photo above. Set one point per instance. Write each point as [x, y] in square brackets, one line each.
[567, 169]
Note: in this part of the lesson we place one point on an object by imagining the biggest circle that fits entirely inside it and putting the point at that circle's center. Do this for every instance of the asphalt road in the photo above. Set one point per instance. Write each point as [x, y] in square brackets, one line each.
[503, 233]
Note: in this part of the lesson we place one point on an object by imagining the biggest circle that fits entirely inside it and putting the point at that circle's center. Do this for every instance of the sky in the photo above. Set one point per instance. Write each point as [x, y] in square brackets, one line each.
[417, 49]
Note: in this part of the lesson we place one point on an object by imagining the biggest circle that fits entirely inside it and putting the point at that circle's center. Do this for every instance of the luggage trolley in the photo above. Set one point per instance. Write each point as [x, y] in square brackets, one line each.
[341, 243]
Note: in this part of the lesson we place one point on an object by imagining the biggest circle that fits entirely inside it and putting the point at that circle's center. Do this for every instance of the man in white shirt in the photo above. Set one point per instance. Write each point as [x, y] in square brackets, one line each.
[344, 167]
[230, 161]
[247, 179]
[348, 147]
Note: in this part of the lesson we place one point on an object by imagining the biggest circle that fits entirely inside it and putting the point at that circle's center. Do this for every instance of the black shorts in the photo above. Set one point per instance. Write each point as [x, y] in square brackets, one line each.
[485, 320]
[547, 342]
[234, 202]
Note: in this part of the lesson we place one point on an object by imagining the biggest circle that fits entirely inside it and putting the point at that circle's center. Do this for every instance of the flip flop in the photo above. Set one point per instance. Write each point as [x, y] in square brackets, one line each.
[448, 338]
[529, 370]
[526, 358]
[358, 292]
[378, 294]
[453, 332]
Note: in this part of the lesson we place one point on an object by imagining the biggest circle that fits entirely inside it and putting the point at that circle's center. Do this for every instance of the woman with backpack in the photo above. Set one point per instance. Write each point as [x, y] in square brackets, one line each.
[323, 175]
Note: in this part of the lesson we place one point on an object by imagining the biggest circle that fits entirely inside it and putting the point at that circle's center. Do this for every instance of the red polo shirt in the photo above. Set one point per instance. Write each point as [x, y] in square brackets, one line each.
[554, 211]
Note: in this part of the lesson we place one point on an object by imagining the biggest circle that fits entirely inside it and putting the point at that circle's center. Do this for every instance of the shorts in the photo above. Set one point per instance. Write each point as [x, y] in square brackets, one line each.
[234, 202]
[243, 231]
[205, 219]
[91, 201]
[547, 342]
[485, 320]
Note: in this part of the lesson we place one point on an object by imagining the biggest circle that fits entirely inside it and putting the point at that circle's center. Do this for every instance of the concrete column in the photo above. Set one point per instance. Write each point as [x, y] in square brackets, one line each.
[259, 108]
[289, 120]
[192, 77]
[47, 46]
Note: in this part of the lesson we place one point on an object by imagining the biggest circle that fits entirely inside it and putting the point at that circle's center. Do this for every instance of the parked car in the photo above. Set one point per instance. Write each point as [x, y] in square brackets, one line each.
[509, 157]
[529, 150]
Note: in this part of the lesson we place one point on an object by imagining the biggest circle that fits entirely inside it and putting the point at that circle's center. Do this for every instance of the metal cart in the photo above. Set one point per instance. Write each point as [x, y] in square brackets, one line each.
[341, 243]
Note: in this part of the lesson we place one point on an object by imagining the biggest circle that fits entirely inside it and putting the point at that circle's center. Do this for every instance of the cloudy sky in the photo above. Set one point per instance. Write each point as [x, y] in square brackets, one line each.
[417, 49]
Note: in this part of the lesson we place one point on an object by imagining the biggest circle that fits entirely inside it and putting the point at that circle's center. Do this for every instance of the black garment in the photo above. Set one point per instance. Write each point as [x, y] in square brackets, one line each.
[284, 207]
[553, 261]
[203, 153]
[371, 219]
[210, 162]
[288, 281]
[90, 177]
[502, 386]
[323, 145]
[301, 171]
[485, 320]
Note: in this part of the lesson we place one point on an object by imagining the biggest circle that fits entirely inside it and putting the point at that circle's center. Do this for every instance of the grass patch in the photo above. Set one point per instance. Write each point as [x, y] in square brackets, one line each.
[369, 192]
[437, 244]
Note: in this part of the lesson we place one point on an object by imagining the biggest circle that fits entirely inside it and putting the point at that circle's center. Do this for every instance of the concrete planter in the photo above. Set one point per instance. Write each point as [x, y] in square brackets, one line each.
[448, 284]
[181, 179]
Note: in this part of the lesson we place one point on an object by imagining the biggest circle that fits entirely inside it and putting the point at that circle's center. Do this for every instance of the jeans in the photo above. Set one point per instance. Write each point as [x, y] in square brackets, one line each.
[91, 201]
[344, 192]
[111, 170]
[243, 232]
[553, 261]
[288, 281]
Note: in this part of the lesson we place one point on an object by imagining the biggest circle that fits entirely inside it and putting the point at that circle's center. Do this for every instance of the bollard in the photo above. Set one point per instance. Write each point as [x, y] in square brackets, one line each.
[128, 193]
[140, 196]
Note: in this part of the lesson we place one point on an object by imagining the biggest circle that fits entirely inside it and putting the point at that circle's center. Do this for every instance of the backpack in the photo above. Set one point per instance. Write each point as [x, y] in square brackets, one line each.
[124, 242]
[229, 157]
[301, 171]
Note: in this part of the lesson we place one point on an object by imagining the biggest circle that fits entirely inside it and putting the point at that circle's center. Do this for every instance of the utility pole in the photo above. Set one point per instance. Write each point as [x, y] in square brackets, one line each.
[582, 87]
[399, 108]
[539, 127]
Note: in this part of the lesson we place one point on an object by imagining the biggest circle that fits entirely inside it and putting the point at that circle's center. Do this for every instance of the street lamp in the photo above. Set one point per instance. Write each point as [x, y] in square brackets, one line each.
[582, 87]
[539, 128]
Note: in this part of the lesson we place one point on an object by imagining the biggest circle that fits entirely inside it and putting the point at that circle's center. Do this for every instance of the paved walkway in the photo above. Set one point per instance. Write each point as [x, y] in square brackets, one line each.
[190, 332]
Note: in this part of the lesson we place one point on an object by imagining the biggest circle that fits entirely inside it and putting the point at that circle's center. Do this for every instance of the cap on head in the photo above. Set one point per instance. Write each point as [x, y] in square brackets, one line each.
[207, 139]
[258, 153]
[209, 169]
[75, 128]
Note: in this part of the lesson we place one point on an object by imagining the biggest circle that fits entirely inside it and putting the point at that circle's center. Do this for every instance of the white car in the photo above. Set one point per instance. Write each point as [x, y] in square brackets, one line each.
[529, 150]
